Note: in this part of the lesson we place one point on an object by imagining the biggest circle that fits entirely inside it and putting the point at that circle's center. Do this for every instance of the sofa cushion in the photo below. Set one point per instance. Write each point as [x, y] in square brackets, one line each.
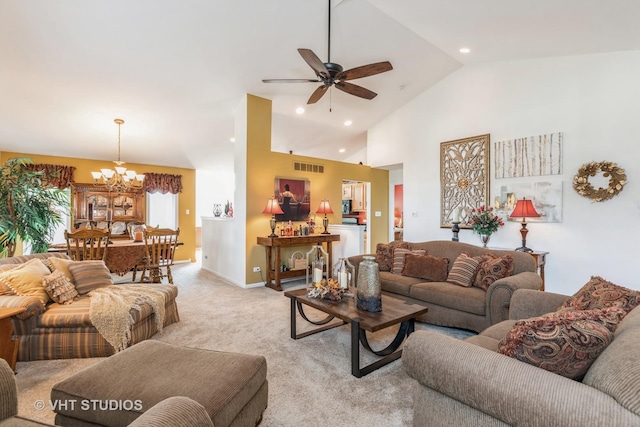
[493, 269]
[66, 315]
[427, 267]
[600, 293]
[26, 280]
[90, 275]
[470, 300]
[464, 270]
[59, 287]
[565, 342]
[384, 254]
[397, 284]
[61, 264]
[399, 255]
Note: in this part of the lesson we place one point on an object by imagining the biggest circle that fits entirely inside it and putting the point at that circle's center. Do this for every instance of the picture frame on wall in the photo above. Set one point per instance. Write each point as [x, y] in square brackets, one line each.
[464, 178]
[294, 198]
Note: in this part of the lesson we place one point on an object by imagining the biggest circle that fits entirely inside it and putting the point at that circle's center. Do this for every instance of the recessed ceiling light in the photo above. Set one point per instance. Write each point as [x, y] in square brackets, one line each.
[232, 139]
[348, 122]
[465, 50]
[299, 110]
[342, 150]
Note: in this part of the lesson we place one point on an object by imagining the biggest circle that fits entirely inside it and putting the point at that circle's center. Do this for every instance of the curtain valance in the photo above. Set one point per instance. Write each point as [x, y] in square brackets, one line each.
[54, 175]
[163, 183]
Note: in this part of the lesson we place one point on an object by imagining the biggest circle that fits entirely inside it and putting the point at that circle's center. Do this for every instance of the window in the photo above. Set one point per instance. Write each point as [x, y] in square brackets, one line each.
[162, 210]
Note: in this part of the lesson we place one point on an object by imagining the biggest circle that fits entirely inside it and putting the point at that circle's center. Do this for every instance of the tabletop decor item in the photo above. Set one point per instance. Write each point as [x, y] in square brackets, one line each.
[369, 292]
[617, 180]
[328, 289]
[484, 222]
[272, 208]
[524, 209]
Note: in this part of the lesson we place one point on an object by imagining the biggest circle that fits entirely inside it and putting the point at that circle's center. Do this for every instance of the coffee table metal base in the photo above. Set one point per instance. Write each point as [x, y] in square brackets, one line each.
[358, 336]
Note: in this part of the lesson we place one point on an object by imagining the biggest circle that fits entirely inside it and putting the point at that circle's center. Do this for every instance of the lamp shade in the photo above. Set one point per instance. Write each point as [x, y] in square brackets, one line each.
[524, 209]
[325, 207]
[272, 208]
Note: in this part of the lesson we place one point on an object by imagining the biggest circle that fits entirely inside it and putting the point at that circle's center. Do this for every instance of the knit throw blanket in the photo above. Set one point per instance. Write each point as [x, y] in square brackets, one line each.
[110, 311]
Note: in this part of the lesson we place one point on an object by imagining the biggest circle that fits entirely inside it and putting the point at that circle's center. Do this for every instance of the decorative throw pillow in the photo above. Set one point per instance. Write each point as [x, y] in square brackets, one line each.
[5, 289]
[384, 254]
[565, 343]
[59, 288]
[600, 293]
[398, 258]
[493, 269]
[464, 269]
[26, 279]
[61, 264]
[428, 267]
[90, 275]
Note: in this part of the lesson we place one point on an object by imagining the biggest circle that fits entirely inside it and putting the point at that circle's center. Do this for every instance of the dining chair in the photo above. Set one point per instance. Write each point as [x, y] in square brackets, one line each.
[160, 244]
[87, 244]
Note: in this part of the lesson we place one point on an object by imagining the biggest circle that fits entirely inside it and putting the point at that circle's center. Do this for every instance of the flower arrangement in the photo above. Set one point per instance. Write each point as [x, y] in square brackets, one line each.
[484, 221]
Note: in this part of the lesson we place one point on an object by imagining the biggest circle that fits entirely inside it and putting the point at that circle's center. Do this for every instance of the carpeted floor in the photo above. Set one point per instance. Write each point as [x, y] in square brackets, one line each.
[310, 381]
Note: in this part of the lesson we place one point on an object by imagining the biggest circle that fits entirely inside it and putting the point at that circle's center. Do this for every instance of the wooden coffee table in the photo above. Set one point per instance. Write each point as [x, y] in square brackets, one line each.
[8, 346]
[396, 310]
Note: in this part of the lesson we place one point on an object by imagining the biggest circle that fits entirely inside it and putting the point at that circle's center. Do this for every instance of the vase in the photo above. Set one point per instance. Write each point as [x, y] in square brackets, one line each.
[369, 292]
[485, 239]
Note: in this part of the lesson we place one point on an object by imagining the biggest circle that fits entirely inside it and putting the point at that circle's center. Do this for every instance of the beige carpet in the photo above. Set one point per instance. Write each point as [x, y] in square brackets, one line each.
[310, 381]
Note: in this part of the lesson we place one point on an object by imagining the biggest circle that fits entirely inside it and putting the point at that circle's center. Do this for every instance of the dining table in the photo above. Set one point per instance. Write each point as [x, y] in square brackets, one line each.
[122, 254]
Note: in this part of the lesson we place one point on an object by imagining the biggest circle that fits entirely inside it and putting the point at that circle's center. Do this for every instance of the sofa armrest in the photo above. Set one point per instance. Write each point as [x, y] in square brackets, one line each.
[8, 392]
[32, 304]
[507, 389]
[527, 303]
[177, 411]
[500, 292]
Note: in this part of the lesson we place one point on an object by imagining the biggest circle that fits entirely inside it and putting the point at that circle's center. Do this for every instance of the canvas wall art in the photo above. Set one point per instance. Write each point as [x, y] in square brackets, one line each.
[530, 156]
[294, 198]
[545, 195]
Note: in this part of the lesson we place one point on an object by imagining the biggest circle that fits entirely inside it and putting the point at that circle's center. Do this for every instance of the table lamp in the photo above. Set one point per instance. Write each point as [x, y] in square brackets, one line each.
[325, 208]
[524, 208]
[273, 208]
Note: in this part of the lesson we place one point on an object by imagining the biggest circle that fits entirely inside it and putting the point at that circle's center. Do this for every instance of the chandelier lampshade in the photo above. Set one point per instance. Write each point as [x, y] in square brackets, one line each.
[119, 178]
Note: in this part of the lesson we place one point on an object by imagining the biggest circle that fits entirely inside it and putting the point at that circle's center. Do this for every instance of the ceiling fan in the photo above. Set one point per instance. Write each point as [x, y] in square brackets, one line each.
[332, 74]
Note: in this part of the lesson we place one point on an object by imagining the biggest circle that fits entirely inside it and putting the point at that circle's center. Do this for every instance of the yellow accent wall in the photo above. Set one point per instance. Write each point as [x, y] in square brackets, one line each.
[263, 166]
[186, 199]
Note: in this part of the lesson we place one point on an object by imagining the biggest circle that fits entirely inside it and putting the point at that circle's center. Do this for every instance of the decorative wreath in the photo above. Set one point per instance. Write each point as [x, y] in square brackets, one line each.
[616, 175]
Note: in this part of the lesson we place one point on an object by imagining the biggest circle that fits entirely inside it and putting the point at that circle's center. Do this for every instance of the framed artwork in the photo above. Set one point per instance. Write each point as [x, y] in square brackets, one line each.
[530, 156]
[294, 197]
[464, 178]
[546, 196]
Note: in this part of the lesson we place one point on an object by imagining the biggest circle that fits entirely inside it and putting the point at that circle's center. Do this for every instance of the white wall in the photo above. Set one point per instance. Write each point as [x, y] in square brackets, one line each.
[594, 100]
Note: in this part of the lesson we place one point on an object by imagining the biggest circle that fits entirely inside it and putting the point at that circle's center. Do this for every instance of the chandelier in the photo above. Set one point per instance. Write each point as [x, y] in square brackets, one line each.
[119, 178]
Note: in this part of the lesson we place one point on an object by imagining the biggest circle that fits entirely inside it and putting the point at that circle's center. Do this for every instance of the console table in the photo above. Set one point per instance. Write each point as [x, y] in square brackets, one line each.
[274, 262]
[541, 260]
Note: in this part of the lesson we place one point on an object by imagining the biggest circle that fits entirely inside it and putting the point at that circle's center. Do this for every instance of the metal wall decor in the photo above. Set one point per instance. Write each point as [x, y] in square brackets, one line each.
[464, 178]
[617, 180]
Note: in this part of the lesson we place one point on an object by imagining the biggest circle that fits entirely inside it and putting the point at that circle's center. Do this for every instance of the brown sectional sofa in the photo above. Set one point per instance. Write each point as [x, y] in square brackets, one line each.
[65, 331]
[468, 383]
[456, 306]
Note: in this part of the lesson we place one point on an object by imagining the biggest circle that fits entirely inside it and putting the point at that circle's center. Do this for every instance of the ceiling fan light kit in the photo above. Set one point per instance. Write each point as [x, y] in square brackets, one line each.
[332, 74]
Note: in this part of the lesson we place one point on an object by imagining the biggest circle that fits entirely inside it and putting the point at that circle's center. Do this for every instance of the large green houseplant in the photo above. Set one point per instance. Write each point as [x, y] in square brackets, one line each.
[29, 210]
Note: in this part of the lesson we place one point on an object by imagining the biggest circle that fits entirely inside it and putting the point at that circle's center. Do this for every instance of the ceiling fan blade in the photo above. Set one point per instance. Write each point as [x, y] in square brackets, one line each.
[317, 94]
[365, 71]
[290, 80]
[314, 62]
[356, 90]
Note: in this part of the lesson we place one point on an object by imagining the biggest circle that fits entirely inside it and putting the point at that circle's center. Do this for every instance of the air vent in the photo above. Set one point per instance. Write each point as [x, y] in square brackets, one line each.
[308, 167]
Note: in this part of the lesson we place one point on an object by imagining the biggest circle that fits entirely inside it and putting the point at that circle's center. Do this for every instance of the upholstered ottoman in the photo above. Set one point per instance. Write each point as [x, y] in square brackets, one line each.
[231, 386]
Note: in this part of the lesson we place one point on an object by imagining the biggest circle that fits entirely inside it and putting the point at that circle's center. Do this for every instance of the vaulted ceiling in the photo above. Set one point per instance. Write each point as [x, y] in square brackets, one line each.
[176, 70]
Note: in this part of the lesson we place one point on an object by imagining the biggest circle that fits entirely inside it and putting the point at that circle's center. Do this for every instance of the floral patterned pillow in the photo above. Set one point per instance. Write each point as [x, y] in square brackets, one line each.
[492, 269]
[600, 293]
[384, 254]
[565, 342]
